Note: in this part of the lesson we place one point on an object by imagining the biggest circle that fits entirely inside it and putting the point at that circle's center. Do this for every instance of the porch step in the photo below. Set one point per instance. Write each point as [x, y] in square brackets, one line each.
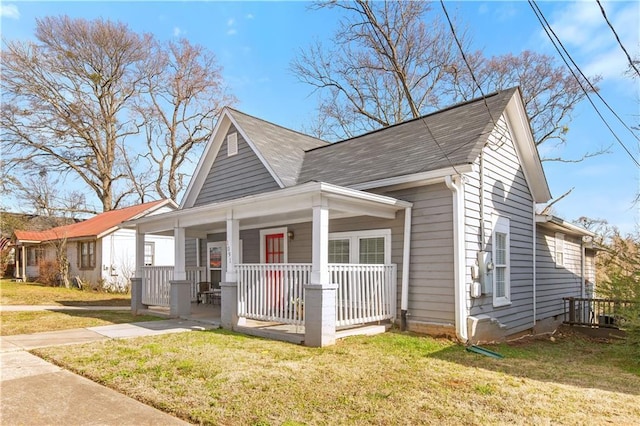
[367, 330]
[285, 333]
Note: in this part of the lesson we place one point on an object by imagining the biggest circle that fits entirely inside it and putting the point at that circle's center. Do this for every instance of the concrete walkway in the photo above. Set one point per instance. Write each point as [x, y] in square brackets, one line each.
[36, 392]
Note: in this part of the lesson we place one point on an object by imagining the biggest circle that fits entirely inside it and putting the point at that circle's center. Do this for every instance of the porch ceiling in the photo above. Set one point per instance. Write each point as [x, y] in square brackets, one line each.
[289, 205]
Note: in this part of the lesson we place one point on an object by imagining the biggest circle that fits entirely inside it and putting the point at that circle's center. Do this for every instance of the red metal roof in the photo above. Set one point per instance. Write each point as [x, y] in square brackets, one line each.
[94, 227]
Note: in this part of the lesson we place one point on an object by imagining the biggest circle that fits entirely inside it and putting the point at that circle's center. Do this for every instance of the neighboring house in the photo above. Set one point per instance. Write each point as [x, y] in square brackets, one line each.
[99, 250]
[565, 267]
[431, 221]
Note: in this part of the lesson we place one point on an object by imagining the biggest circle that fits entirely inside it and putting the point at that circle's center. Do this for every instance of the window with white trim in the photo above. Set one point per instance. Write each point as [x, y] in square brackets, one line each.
[501, 267]
[149, 253]
[232, 144]
[368, 247]
[559, 250]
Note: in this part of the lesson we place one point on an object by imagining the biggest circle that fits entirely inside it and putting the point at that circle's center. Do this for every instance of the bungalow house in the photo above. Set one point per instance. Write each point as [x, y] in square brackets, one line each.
[99, 249]
[431, 222]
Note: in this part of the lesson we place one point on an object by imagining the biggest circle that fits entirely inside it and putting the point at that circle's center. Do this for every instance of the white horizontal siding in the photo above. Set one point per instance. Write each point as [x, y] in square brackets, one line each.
[506, 194]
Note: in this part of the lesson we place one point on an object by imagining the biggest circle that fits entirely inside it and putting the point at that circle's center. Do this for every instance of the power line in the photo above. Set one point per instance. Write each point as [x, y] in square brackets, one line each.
[464, 58]
[593, 88]
[542, 20]
[604, 14]
[502, 131]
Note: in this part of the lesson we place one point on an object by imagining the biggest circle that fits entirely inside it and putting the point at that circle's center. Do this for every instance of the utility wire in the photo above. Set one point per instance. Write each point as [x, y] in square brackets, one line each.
[604, 15]
[464, 58]
[542, 21]
[535, 7]
[502, 131]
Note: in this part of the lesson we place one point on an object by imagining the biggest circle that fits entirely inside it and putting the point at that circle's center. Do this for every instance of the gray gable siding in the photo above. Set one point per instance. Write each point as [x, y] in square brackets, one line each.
[236, 176]
[555, 282]
[282, 148]
[507, 194]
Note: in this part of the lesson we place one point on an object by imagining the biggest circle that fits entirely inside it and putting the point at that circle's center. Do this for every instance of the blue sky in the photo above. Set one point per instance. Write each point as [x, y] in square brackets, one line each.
[256, 41]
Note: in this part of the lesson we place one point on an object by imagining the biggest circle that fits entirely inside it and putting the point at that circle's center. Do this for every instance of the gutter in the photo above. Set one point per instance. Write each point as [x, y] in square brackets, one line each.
[454, 183]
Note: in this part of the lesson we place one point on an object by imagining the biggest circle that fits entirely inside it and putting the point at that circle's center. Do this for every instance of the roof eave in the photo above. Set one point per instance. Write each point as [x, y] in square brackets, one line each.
[556, 223]
[414, 179]
[526, 147]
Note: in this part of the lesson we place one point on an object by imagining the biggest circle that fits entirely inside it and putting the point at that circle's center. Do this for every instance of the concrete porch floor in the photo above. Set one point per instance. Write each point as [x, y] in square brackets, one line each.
[210, 314]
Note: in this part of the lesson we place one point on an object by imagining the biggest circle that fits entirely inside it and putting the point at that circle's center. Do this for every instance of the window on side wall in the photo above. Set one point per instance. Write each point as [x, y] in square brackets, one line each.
[559, 250]
[501, 258]
[367, 247]
[87, 254]
[34, 255]
[149, 254]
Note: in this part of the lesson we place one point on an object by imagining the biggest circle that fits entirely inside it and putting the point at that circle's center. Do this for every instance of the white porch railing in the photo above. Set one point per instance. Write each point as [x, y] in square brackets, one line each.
[156, 287]
[272, 292]
[366, 293]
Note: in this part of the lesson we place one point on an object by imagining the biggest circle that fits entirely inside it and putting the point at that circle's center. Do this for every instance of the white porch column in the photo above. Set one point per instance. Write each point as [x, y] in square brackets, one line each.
[229, 304]
[320, 295]
[180, 295]
[320, 248]
[139, 253]
[233, 247]
[179, 237]
[24, 263]
[137, 283]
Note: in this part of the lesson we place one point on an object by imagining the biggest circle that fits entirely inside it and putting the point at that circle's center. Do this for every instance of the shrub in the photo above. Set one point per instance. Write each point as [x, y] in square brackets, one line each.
[49, 271]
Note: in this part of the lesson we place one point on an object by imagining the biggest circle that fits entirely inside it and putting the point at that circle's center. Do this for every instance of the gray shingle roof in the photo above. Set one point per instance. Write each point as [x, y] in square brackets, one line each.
[282, 148]
[413, 146]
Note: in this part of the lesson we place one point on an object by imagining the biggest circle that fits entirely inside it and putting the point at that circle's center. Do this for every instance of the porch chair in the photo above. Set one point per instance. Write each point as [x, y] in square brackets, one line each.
[204, 289]
[216, 294]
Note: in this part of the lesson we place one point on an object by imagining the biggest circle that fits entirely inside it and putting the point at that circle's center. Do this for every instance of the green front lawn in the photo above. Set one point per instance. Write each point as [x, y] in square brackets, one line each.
[16, 293]
[12, 323]
[218, 377]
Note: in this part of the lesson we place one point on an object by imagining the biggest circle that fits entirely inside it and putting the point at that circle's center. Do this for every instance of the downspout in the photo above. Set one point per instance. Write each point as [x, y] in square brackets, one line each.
[535, 264]
[583, 254]
[460, 291]
[406, 252]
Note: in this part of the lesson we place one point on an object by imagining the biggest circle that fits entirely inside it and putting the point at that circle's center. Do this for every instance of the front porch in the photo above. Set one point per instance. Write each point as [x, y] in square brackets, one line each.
[211, 314]
[271, 297]
[245, 246]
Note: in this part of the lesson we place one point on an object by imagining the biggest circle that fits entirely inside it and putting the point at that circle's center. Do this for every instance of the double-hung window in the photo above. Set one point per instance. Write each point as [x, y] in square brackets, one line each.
[149, 252]
[87, 254]
[501, 255]
[366, 247]
[559, 249]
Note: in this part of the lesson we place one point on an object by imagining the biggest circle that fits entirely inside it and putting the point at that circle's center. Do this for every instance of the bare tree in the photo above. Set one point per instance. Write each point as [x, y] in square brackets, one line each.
[42, 195]
[65, 97]
[391, 62]
[386, 65]
[549, 92]
[183, 95]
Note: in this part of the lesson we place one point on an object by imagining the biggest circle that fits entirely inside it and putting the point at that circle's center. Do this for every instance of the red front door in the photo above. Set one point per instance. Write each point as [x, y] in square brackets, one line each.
[274, 244]
[274, 253]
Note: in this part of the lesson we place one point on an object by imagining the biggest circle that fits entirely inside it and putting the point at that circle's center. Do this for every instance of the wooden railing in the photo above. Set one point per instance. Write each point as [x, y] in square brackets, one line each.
[275, 292]
[156, 288]
[607, 313]
[366, 293]
[272, 292]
